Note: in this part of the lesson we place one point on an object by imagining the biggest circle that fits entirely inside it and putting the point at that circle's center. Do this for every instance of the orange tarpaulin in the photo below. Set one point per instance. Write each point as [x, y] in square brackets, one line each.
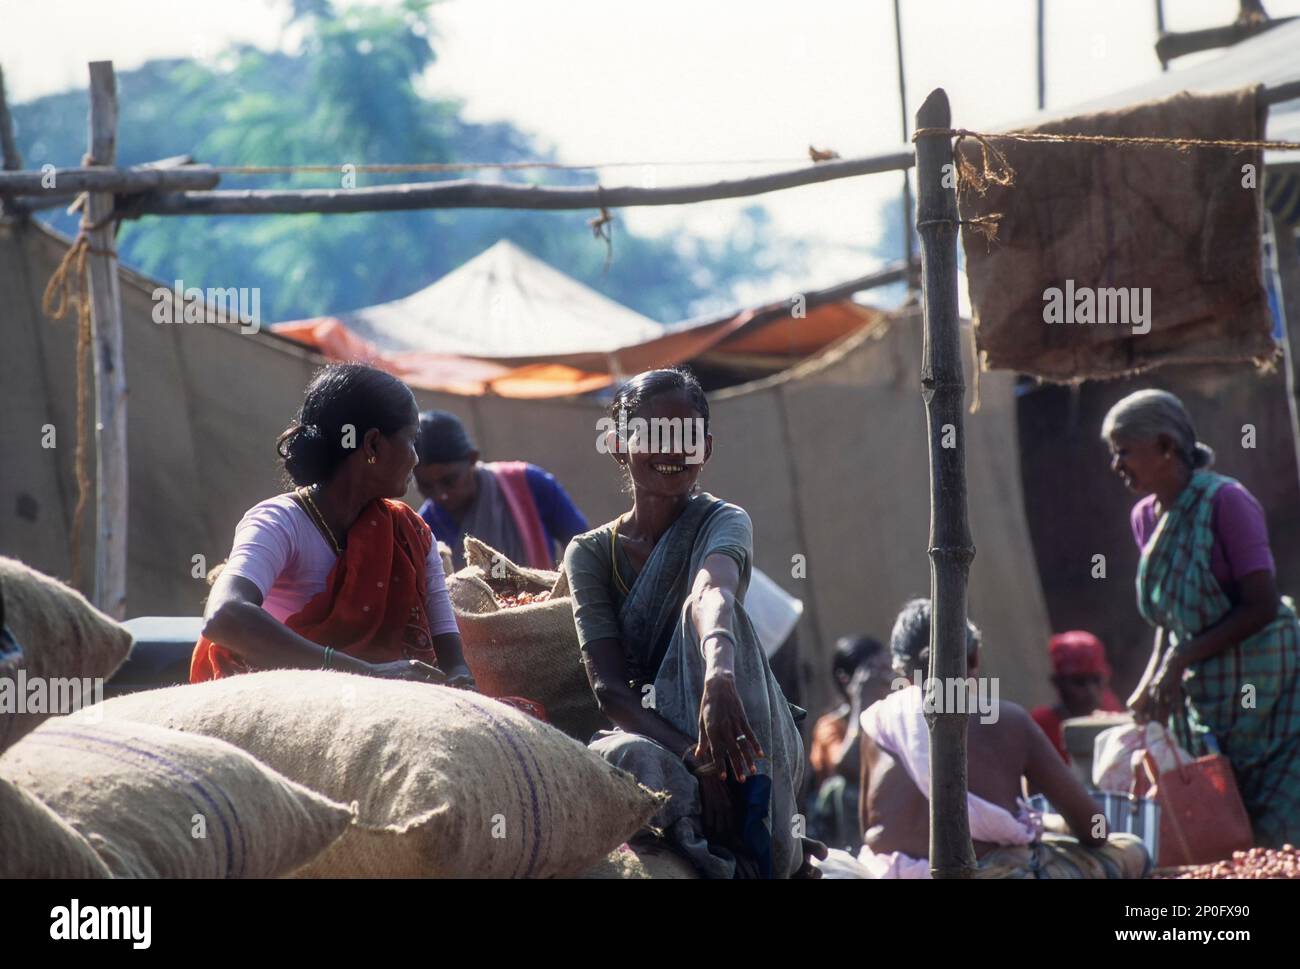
[745, 334]
[791, 336]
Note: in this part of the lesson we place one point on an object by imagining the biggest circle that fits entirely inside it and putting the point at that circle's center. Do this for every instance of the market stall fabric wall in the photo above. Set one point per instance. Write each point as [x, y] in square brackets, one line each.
[830, 459]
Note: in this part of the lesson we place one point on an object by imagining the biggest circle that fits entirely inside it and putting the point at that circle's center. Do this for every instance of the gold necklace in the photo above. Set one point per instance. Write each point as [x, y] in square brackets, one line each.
[319, 520]
[613, 557]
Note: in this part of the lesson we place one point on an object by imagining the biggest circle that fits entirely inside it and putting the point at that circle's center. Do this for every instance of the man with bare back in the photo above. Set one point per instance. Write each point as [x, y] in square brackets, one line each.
[1004, 749]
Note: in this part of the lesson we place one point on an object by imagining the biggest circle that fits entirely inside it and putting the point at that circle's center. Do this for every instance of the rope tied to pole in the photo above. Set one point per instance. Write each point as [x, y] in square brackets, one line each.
[985, 225]
[994, 168]
[70, 283]
[602, 227]
[1132, 141]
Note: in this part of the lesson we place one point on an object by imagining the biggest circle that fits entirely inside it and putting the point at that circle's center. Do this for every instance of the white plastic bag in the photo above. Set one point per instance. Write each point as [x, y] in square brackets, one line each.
[1117, 754]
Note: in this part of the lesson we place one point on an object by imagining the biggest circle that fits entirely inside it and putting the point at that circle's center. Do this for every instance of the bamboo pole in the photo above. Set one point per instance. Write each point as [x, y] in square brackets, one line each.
[1280, 93]
[10, 159]
[780, 309]
[1160, 32]
[1173, 45]
[110, 372]
[1286, 257]
[908, 256]
[1042, 55]
[951, 550]
[471, 194]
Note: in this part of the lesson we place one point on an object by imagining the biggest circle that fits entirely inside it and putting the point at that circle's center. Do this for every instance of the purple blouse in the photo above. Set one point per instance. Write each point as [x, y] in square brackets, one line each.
[1240, 534]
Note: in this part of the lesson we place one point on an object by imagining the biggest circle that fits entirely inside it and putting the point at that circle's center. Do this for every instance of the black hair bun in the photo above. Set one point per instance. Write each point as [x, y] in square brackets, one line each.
[306, 454]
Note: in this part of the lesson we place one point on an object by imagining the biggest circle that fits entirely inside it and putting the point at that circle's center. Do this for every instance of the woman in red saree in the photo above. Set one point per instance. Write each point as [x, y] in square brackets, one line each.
[338, 573]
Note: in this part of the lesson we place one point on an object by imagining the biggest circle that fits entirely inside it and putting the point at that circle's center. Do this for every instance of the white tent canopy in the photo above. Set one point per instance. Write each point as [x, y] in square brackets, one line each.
[504, 302]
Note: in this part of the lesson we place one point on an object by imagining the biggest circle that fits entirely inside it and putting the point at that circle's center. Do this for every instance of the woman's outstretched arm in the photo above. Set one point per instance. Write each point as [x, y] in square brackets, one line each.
[234, 617]
[725, 732]
[1257, 608]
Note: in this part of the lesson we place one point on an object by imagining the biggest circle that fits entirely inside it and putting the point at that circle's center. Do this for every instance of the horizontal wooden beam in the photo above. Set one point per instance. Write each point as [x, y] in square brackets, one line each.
[463, 194]
[171, 187]
[1171, 45]
[768, 313]
[896, 273]
[1280, 92]
[119, 181]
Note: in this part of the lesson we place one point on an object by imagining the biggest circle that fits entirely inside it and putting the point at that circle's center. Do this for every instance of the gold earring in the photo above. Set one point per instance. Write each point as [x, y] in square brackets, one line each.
[370, 460]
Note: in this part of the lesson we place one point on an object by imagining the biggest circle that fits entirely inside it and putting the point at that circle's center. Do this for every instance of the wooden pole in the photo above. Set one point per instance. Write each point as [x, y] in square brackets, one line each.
[780, 309]
[10, 159]
[902, 113]
[123, 181]
[462, 194]
[1160, 32]
[1174, 45]
[1286, 256]
[152, 199]
[1042, 55]
[951, 550]
[106, 344]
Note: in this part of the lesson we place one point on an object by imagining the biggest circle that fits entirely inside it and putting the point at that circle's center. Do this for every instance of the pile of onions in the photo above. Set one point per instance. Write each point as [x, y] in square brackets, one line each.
[1255, 863]
[509, 600]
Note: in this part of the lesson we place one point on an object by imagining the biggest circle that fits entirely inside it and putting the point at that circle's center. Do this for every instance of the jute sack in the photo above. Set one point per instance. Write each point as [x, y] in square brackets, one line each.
[508, 575]
[37, 843]
[448, 783]
[157, 803]
[639, 862]
[530, 650]
[65, 645]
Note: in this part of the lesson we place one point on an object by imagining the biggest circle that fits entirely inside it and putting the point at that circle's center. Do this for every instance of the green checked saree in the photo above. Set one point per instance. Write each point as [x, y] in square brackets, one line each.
[1247, 697]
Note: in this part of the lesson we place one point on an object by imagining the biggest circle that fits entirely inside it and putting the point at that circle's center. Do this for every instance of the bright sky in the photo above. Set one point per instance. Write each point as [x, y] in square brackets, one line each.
[684, 79]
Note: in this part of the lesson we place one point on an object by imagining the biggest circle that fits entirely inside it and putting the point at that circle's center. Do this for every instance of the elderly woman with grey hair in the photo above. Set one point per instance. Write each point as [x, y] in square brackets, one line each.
[1206, 583]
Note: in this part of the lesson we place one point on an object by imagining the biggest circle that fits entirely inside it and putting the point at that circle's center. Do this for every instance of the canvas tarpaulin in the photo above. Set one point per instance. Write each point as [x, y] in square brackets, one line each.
[830, 460]
[504, 302]
[751, 338]
[1115, 231]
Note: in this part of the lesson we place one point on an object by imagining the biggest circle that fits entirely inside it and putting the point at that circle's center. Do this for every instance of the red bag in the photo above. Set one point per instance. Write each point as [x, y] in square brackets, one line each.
[1202, 817]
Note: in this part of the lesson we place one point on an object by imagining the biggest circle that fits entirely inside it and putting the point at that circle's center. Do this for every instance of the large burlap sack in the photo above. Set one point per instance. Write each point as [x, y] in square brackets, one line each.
[444, 555]
[1085, 230]
[158, 803]
[508, 575]
[530, 650]
[448, 783]
[66, 647]
[36, 843]
[639, 862]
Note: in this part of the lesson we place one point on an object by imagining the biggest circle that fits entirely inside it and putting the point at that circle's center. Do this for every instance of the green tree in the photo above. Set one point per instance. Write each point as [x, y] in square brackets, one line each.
[349, 95]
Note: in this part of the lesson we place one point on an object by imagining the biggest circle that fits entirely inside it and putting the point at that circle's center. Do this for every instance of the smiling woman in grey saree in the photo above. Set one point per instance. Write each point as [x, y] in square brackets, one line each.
[673, 659]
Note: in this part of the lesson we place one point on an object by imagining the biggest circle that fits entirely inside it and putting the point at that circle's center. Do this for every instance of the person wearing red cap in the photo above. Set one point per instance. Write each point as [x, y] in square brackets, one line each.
[1081, 676]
